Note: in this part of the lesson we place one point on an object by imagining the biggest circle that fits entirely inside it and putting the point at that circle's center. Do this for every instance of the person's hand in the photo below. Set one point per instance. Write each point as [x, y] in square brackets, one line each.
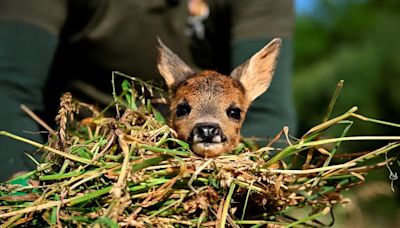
[197, 8]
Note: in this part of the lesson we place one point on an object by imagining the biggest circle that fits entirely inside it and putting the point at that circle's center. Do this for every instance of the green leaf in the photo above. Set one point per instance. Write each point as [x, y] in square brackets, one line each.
[148, 162]
[54, 212]
[82, 152]
[181, 143]
[129, 94]
[250, 144]
[126, 86]
[239, 148]
[106, 221]
[60, 176]
[213, 182]
[158, 116]
[89, 196]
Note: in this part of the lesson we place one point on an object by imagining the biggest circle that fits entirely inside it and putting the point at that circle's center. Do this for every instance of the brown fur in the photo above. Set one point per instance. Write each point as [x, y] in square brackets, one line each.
[210, 95]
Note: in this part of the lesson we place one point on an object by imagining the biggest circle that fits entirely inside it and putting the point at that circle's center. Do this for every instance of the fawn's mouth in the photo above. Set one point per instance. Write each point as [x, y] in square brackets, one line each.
[209, 149]
[208, 140]
[208, 145]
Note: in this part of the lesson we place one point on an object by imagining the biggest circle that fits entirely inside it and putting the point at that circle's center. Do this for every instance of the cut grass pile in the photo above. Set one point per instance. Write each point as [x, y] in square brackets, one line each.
[130, 170]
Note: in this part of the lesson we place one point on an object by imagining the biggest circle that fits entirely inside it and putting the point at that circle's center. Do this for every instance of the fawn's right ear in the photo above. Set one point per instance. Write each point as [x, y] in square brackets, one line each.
[171, 67]
[256, 73]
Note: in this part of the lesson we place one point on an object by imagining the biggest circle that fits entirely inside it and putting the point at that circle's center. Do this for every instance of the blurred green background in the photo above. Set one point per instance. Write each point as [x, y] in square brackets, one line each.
[357, 41]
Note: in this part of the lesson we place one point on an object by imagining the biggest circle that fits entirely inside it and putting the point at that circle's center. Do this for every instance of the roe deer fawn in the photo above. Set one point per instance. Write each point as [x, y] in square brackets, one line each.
[207, 109]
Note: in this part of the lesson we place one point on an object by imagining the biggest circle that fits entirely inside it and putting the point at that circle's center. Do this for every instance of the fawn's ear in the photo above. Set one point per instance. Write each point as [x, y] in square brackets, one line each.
[171, 67]
[256, 73]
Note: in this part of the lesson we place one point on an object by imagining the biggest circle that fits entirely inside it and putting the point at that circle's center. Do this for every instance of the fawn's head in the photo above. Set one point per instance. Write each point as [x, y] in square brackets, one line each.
[208, 108]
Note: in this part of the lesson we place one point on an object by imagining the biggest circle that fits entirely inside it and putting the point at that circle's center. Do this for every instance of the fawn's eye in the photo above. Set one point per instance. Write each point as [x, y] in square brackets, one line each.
[233, 112]
[183, 109]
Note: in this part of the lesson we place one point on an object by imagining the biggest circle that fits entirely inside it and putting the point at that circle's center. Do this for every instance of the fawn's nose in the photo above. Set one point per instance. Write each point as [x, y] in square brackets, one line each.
[207, 133]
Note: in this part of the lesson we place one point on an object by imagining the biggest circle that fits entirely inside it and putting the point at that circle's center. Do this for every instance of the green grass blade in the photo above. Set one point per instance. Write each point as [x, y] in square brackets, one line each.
[226, 205]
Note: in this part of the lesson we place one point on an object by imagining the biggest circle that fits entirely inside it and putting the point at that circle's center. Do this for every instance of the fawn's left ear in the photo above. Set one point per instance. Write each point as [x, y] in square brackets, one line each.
[171, 67]
[256, 73]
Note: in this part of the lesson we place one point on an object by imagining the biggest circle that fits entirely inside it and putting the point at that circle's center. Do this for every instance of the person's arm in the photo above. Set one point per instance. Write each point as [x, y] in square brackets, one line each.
[254, 24]
[28, 40]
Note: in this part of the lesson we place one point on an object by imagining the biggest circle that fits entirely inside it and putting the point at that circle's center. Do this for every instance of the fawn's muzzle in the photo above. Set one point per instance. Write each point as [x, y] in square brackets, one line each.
[207, 133]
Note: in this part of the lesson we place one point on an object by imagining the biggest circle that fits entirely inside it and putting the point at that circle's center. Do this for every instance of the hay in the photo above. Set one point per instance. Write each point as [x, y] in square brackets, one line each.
[132, 171]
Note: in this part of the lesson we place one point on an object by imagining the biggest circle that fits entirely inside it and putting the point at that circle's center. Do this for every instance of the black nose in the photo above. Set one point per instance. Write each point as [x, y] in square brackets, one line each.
[207, 132]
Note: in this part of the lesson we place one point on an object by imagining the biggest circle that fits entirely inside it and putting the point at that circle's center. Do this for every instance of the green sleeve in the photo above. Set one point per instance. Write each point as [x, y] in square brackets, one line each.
[261, 19]
[273, 110]
[254, 24]
[26, 53]
[29, 31]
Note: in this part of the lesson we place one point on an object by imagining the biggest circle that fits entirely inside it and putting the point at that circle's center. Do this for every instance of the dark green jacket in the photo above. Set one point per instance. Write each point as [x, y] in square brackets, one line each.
[44, 44]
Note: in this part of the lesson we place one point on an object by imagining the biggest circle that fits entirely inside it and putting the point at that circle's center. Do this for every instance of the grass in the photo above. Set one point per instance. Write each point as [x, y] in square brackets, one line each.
[131, 170]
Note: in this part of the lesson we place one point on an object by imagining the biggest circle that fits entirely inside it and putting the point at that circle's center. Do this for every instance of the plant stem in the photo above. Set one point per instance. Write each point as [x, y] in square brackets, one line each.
[312, 217]
[294, 148]
[41, 146]
[333, 100]
[226, 205]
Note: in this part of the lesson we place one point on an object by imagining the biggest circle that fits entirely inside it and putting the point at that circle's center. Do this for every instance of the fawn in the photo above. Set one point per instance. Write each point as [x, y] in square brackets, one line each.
[207, 109]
